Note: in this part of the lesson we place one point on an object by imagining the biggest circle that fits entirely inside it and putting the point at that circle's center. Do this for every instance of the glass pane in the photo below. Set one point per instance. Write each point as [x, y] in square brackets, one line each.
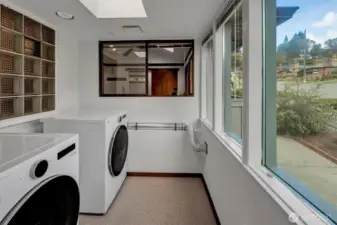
[234, 74]
[169, 68]
[301, 98]
[124, 68]
[209, 81]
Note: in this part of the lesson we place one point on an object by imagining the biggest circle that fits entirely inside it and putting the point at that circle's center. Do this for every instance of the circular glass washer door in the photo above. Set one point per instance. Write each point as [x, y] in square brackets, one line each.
[118, 150]
[55, 201]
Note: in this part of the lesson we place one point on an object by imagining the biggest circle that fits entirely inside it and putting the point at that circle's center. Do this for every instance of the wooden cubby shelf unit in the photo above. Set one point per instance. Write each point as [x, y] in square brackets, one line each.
[27, 65]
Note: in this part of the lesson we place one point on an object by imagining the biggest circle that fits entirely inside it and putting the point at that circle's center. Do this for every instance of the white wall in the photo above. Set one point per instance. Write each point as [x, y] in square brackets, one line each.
[166, 151]
[238, 198]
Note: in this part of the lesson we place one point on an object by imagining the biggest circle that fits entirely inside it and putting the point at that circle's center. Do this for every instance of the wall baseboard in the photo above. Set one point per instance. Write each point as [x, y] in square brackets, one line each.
[186, 175]
[217, 220]
[146, 174]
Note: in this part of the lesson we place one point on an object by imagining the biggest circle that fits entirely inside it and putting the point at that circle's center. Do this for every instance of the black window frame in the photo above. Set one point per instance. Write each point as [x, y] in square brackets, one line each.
[147, 43]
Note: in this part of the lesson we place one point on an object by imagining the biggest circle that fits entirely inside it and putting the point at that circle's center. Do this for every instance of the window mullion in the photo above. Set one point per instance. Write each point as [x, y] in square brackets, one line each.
[270, 82]
[218, 77]
[252, 81]
[227, 93]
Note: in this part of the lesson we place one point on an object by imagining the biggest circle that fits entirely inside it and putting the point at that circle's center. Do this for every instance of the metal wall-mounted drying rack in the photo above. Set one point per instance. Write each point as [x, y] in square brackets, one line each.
[158, 126]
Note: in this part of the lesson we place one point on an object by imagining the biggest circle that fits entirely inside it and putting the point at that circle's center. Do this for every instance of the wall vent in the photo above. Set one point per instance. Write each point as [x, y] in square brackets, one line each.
[132, 29]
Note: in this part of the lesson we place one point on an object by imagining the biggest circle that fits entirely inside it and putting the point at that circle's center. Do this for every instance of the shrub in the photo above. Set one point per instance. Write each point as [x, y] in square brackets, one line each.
[239, 92]
[302, 112]
[331, 102]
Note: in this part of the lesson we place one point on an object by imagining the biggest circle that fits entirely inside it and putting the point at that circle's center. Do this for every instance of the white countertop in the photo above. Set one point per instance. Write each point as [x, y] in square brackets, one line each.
[88, 114]
[16, 146]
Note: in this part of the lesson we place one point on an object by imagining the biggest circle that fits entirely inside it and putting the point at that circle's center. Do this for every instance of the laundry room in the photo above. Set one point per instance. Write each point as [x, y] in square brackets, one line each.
[102, 115]
[73, 71]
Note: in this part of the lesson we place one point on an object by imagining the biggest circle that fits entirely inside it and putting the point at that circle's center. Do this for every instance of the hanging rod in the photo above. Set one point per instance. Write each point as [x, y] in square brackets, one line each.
[158, 126]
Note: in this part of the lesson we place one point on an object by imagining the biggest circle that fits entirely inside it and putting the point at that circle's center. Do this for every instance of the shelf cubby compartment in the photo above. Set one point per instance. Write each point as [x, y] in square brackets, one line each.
[10, 63]
[48, 103]
[32, 28]
[48, 35]
[32, 86]
[32, 66]
[32, 47]
[48, 69]
[10, 85]
[10, 41]
[32, 105]
[48, 86]
[11, 19]
[10, 107]
[48, 52]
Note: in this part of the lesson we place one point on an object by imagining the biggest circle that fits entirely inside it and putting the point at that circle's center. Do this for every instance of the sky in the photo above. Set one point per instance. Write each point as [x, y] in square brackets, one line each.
[317, 17]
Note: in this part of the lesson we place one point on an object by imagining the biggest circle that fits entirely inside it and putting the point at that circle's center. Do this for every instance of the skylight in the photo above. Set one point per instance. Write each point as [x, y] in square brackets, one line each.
[116, 8]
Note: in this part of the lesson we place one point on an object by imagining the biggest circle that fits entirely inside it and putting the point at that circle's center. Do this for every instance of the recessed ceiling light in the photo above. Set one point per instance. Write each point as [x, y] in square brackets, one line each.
[114, 49]
[111, 46]
[65, 15]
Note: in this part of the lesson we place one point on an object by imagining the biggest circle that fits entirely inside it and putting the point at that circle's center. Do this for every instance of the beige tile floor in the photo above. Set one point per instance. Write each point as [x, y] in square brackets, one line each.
[157, 201]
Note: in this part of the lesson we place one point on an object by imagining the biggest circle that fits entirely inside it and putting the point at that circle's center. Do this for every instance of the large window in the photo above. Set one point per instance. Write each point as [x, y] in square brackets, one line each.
[146, 68]
[300, 98]
[233, 74]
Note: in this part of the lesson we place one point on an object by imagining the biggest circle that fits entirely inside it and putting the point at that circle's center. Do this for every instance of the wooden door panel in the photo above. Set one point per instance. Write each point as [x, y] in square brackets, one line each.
[164, 81]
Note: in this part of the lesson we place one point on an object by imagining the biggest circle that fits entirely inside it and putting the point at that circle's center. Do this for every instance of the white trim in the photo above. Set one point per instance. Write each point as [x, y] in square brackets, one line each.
[285, 197]
[231, 14]
[214, 78]
[207, 123]
[227, 141]
[252, 82]
[218, 112]
[203, 95]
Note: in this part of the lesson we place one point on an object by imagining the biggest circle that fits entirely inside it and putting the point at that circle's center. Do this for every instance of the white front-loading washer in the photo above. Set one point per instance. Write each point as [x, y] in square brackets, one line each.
[39, 176]
[103, 139]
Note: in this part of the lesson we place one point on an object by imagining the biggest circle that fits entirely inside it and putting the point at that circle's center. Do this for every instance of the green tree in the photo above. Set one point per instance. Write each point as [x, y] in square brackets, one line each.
[297, 45]
[316, 50]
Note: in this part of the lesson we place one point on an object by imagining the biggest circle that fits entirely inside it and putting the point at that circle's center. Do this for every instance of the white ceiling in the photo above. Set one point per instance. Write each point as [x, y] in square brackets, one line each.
[166, 18]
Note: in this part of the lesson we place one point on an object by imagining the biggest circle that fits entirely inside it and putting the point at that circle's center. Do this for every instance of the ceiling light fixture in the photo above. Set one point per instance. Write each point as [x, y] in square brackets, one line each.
[65, 15]
[114, 49]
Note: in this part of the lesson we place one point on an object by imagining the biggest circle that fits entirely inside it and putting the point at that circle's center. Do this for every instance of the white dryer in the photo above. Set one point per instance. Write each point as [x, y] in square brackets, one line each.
[39, 179]
[103, 153]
